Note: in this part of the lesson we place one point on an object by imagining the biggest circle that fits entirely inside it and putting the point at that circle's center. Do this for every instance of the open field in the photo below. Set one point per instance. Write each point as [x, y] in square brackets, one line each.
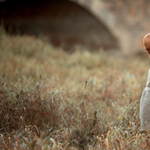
[51, 99]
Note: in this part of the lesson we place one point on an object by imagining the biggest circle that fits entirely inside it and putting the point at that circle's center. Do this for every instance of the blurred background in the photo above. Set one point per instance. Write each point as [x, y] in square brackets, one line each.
[118, 25]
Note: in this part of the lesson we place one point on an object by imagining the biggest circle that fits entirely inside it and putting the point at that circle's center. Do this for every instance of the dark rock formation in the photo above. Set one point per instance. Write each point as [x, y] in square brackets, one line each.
[62, 21]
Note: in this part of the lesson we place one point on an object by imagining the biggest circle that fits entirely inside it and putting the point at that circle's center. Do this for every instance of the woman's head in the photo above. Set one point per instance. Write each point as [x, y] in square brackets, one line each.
[146, 42]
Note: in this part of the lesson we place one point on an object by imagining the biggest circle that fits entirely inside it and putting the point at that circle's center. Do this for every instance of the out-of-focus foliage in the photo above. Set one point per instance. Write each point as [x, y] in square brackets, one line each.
[50, 99]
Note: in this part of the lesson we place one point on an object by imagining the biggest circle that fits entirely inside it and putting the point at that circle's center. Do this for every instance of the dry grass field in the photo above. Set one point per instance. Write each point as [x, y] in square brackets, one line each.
[51, 99]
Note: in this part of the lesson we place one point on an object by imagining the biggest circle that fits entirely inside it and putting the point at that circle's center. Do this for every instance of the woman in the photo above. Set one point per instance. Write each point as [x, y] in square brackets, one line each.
[145, 98]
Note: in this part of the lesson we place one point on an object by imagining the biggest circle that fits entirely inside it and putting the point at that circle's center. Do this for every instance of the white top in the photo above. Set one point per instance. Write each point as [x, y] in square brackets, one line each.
[145, 106]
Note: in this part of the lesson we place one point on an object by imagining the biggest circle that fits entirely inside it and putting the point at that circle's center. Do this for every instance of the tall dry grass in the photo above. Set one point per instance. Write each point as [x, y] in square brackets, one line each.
[51, 99]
